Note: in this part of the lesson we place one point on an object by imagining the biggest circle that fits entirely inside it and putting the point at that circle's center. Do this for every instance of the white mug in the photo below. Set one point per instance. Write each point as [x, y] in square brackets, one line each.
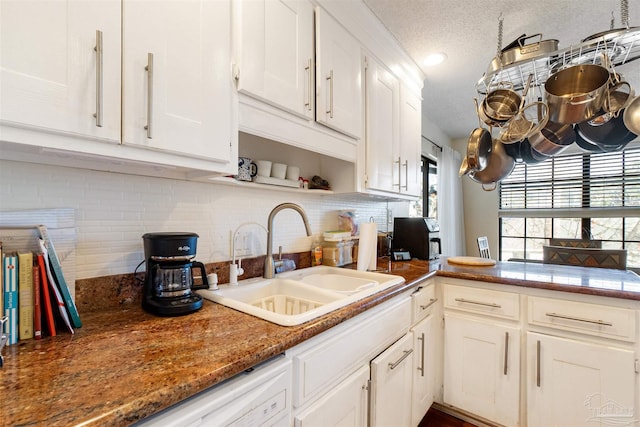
[279, 170]
[264, 168]
[293, 173]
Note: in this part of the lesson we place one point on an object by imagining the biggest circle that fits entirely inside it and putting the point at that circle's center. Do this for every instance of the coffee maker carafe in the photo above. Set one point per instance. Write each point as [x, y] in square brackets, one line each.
[169, 281]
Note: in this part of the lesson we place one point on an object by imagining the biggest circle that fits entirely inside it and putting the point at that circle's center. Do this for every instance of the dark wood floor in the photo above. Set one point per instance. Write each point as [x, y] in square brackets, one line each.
[435, 418]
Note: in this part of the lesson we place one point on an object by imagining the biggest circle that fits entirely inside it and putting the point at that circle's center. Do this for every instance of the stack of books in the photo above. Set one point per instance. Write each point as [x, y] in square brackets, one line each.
[35, 296]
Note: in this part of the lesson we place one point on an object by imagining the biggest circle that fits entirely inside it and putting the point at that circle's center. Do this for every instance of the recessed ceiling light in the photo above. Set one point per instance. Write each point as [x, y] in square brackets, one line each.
[434, 59]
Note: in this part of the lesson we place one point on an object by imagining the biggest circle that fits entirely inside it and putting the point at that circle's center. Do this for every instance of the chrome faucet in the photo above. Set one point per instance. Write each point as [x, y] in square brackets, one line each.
[269, 263]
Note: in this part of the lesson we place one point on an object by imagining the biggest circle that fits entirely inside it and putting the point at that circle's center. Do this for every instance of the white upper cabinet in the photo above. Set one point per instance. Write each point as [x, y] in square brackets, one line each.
[152, 78]
[275, 60]
[338, 77]
[60, 66]
[176, 77]
[383, 126]
[410, 142]
[393, 137]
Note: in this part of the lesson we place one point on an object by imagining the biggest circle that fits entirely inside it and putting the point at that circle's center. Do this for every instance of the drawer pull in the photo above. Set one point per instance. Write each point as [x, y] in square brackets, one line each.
[421, 367]
[399, 361]
[579, 319]
[431, 302]
[485, 304]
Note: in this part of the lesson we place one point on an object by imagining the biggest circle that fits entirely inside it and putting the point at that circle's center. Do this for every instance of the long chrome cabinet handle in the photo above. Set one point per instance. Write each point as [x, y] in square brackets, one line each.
[330, 78]
[580, 319]
[399, 162]
[406, 175]
[309, 85]
[421, 367]
[431, 302]
[399, 361]
[506, 352]
[538, 363]
[485, 304]
[149, 69]
[99, 78]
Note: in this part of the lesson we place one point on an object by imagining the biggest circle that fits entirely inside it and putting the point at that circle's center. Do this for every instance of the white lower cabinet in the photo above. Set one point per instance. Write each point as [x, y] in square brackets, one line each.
[391, 379]
[331, 370]
[425, 345]
[482, 367]
[344, 406]
[579, 356]
[574, 383]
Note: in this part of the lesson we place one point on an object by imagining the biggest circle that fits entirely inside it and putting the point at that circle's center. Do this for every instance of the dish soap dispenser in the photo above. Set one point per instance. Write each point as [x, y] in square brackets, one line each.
[316, 251]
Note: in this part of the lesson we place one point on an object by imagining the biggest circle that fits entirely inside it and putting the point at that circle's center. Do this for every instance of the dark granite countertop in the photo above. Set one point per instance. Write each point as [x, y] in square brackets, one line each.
[584, 280]
[124, 364]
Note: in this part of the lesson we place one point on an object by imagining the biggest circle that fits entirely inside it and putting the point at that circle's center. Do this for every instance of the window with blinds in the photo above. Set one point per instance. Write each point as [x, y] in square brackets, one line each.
[607, 180]
[578, 196]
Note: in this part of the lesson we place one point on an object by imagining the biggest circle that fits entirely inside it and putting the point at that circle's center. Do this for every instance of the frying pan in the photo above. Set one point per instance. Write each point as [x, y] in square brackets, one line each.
[612, 133]
[594, 147]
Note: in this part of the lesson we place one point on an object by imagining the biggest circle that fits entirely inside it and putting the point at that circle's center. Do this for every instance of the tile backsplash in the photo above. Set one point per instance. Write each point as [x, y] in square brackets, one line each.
[114, 210]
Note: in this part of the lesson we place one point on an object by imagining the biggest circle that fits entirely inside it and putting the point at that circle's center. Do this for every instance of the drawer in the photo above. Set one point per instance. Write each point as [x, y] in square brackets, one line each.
[319, 364]
[423, 300]
[505, 305]
[591, 319]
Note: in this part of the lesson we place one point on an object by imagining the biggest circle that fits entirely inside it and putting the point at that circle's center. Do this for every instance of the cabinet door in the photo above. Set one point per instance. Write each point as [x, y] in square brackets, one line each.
[51, 75]
[382, 121]
[424, 353]
[572, 383]
[482, 368]
[344, 406]
[176, 76]
[410, 142]
[338, 77]
[276, 53]
[391, 378]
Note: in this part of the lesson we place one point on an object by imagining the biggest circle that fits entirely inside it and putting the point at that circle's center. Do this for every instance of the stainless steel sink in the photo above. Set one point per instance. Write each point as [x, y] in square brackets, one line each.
[299, 296]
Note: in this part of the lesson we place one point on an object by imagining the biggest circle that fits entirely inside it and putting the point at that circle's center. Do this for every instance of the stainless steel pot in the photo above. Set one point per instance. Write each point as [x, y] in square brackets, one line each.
[500, 105]
[518, 51]
[529, 51]
[576, 93]
[499, 166]
[552, 139]
[478, 148]
[631, 115]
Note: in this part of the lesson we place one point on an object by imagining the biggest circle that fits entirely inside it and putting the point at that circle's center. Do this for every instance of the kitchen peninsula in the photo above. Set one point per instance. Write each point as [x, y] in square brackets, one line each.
[125, 365]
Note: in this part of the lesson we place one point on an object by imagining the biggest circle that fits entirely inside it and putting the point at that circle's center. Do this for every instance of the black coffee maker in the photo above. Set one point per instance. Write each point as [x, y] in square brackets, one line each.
[169, 282]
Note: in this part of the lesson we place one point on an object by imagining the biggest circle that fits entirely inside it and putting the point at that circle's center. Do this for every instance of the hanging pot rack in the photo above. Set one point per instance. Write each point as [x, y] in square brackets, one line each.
[621, 46]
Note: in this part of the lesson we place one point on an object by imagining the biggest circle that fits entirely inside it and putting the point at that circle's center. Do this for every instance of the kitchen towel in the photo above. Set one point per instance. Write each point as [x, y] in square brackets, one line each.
[368, 246]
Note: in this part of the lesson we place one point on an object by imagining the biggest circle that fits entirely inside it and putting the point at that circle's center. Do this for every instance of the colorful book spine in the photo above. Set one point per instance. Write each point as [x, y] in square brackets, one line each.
[1, 286]
[10, 278]
[56, 298]
[45, 300]
[60, 280]
[37, 306]
[25, 295]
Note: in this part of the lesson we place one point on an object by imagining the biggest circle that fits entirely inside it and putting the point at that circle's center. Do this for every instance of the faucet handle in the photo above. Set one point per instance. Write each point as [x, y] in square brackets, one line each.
[279, 252]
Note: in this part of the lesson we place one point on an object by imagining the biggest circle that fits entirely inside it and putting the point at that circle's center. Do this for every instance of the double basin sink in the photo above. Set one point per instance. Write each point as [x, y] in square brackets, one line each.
[299, 296]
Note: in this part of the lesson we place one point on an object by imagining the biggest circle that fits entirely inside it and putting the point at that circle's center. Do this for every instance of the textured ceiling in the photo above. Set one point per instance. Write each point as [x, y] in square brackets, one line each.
[467, 31]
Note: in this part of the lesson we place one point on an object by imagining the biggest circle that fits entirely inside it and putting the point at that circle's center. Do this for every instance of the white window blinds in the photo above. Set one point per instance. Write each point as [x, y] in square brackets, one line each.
[574, 182]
